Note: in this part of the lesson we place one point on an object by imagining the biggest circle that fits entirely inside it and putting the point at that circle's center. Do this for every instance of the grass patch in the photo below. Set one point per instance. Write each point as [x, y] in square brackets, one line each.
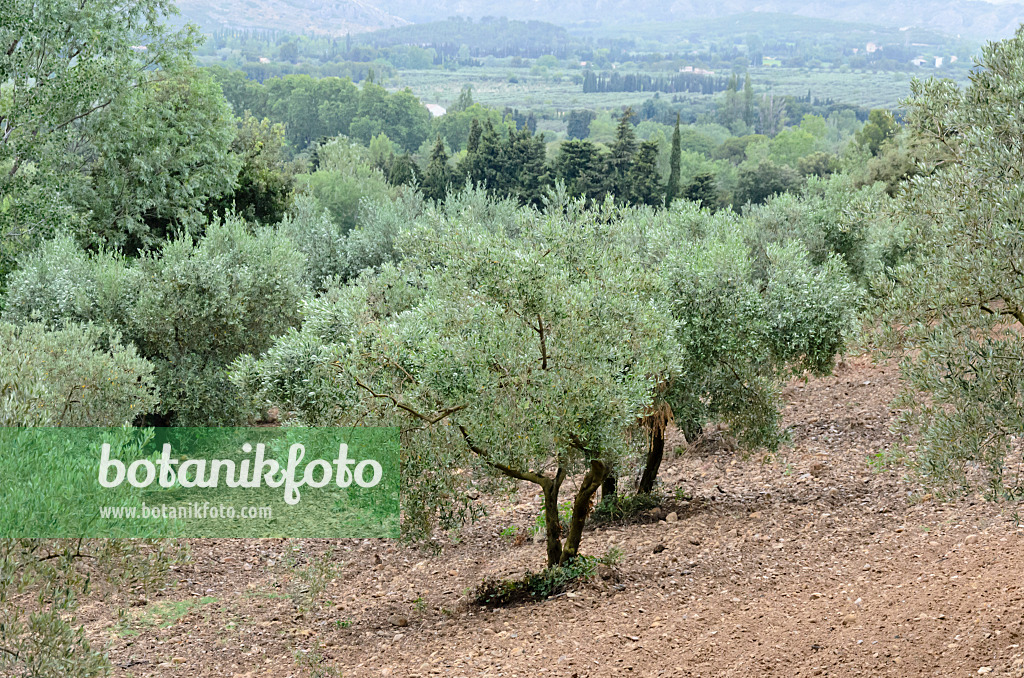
[625, 507]
[160, 615]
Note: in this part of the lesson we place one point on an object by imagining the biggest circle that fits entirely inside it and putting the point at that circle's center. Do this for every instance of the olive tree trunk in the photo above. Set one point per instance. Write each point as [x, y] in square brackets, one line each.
[580, 509]
[655, 453]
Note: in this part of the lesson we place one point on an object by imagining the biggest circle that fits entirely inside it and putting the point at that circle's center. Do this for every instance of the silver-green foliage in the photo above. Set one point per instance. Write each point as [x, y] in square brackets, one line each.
[956, 303]
[743, 329]
[190, 308]
[76, 376]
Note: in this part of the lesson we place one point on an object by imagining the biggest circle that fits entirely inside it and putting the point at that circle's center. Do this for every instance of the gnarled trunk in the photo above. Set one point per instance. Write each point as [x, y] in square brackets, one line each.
[580, 509]
[553, 531]
[655, 453]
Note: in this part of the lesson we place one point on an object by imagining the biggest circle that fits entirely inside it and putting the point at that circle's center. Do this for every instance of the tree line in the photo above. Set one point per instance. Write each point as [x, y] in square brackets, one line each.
[642, 82]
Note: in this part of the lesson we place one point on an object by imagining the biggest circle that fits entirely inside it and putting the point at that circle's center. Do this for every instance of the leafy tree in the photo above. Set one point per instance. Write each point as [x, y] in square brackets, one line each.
[344, 178]
[756, 182]
[78, 375]
[954, 303]
[818, 164]
[161, 152]
[264, 189]
[484, 364]
[734, 149]
[190, 308]
[790, 145]
[672, 187]
[400, 115]
[881, 125]
[61, 66]
[771, 115]
[579, 124]
[464, 100]
[320, 239]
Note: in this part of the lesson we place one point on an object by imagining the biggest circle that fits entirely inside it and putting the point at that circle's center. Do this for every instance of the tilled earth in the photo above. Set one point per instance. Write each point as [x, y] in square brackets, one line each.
[817, 564]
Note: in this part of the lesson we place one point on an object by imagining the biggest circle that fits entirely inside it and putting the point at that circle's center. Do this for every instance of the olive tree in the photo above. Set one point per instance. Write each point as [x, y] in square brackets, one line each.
[956, 302]
[511, 345]
[518, 350]
[746, 316]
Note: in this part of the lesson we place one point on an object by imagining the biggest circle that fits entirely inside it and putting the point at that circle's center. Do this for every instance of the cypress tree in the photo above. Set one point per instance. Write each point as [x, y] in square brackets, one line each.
[579, 165]
[672, 189]
[702, 191]
[620, 159]
[473, 143]
[403, 170]
[748, 101]
[644, 186]
[436, 177]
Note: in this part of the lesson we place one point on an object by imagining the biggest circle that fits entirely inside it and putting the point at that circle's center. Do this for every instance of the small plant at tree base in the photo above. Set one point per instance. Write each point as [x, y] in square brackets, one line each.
[313, 663]
[623, 507]
[312, 580]
[535, 585]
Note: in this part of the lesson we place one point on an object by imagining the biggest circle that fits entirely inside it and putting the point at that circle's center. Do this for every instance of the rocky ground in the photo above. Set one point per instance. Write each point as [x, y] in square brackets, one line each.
[817, 564]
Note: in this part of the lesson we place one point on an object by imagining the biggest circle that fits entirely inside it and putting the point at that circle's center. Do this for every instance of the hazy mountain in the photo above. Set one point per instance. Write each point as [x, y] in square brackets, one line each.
[333, 17]
[969, 18]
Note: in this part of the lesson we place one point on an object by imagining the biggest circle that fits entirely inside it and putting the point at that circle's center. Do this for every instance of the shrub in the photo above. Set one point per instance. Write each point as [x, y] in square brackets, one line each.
[76, 376]
[498, 592]
[345, 177]
[60, 283]
[202, 304]
[318, 237]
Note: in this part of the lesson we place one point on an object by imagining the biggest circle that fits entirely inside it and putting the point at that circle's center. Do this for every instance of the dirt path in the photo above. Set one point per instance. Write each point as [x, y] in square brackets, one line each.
[816, 564]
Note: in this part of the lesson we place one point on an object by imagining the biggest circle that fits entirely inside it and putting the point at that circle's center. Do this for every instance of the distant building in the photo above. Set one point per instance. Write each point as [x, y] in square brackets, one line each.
[264, 60]
[919, 61]
[938, 62]
[953, 59]
[871, 48]
[695, 71]
[435, 110]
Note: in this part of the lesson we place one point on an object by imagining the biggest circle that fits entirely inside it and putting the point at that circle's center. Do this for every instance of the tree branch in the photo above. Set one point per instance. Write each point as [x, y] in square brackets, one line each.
[543, 345]
[528, 476]
[430, 420]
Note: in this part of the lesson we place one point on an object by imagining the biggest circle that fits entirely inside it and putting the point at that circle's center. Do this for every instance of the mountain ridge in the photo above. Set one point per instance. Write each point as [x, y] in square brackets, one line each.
[965, 18]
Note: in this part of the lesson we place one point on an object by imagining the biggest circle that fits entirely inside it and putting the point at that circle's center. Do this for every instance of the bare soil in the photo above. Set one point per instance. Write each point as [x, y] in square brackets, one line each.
[816, 564]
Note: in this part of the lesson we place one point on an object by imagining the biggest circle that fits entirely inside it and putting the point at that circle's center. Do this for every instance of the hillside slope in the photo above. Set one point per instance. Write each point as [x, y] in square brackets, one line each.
[813, 565]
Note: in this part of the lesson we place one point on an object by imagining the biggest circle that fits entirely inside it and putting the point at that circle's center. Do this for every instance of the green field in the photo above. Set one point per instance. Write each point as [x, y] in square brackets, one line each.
[556, 91]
